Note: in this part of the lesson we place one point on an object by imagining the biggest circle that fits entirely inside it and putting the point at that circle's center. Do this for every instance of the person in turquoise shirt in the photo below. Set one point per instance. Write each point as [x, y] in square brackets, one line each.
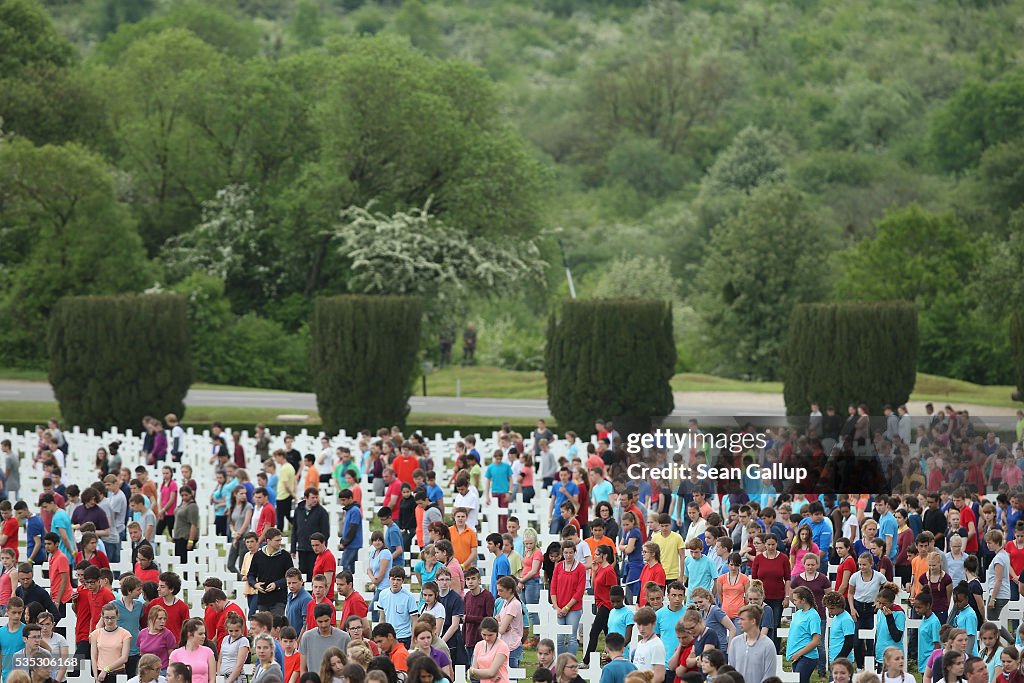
[698, 569]
[888, 528]
[10, 639]
[928, 632]
[965, 617]
[620, 617]
[842, 635]
[890, 623]
[804, 634]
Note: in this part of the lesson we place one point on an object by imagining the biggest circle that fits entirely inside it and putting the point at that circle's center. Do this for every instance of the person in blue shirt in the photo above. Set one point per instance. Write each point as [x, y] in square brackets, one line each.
[499, 479]
[561, 491]
[890, 623]
[963, 616]
[821, 528]
[33, 532]
[298, 599]
[501, 566]
[129, 616]
[698, 569]
[928, 632]
[666, 617]
[842, 635]
[617, 666]
[351, 530]
[392, 536]
[888, 528]
[10, 638]
[804, 634]
[397, 607]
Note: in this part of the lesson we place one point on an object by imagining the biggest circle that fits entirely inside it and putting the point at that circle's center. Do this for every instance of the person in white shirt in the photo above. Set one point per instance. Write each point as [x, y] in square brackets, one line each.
[467, 497]
[649, 653]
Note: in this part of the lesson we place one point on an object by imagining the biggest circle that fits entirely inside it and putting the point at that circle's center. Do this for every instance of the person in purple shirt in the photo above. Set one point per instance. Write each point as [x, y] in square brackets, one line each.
[90, 511]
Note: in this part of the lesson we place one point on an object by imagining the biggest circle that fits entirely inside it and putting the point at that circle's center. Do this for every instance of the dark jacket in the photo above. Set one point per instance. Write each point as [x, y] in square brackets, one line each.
[270, 569]
[37, 593]
[309, 521]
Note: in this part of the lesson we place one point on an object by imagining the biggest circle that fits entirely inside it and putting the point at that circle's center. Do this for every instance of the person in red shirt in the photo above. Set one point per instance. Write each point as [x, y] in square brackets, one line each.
[145, 568]
[967, 520]
[319, 598]
[60, 571]
[217, 610]
[265, 514]
[89, 607]
[604, 578]
[405, 464]
[167, 589]
[653, 571]
[1015, 548]
[567, 585]
[774, 571]
[292, 658]
[9, 530]
[354, 604]
[847, 566]
[326, 563]
[629, 505]
[89, 552]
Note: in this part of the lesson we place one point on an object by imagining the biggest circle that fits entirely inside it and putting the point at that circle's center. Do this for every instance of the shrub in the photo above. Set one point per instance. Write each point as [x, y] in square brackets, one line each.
[364, 354]
[609, 358]
[116, 359]
[837, 354]
[1017, 351]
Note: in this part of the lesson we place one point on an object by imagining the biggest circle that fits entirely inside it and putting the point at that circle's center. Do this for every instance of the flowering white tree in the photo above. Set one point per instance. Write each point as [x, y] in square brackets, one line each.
[415, 253]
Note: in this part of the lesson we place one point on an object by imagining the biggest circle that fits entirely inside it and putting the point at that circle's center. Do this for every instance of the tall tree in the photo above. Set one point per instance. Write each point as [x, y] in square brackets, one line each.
[761, 262]
[71, 235]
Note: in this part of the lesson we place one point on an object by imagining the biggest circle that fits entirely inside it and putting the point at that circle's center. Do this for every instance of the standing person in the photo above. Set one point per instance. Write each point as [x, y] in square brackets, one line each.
[298, 599]
[533, 562]
[804, 635]
[469, 345]
[490, 655]
[351, 531]
[117, 505]
[354, 604]
[842, 632]
[177, 611]
[631, 550]
[324, 562]
[890, 623]
[510, 620]
[157, 639]
[998, 580]
[316, 641]
[649, 653]
[618, 666]
[865, 585]
[168, 502]
[567, 586]
[33, 532]
[310, 518]
[12, 471]
[267, 574]
[192, 651]
[397, 606]
[176, 442]
[479, 604]
[454, 615]
[233, 650]
[499, 482]
[110, 646]
[731, 587]
[267, 668]
[129, 617]
[285, 487]
[240, 519]
[185, 531]
[751, 652]
[818, 584]
[219, 502]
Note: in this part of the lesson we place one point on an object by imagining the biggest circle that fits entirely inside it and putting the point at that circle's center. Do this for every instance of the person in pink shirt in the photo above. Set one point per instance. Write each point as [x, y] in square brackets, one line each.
[490, 656]
[168, 502]
[802, 544]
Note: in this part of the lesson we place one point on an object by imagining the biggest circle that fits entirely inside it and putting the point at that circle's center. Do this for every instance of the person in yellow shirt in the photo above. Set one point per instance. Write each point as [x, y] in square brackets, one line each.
[671, 544]
[285, 487]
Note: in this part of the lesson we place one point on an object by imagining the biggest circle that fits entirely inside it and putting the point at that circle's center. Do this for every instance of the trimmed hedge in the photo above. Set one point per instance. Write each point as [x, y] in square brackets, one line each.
[607, 358]
[364, 353]
[1017, 352]
[836, 354]
[116, 359]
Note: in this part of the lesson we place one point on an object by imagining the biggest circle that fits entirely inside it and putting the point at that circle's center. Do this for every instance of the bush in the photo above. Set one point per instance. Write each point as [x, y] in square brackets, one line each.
[116, 359]
[364, 355]
[609, 358]
[837, 354]
[1017, 350]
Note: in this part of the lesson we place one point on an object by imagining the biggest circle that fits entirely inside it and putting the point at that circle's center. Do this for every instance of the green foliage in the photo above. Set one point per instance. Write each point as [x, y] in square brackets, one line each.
[1017, 348]
[116, 359]
[877, 345]
[241, 350]
[753, 159]
[307, 26]
[400, 128]
[929, 259]
[210, 24]
[27, 37]
[49, 104]
[364, 353]
[978, 116]
[63, 232]
[608, 358]
[753, 275]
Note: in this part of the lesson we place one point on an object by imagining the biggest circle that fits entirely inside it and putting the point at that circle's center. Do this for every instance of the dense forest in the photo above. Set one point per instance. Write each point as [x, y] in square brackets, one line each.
[737, 158]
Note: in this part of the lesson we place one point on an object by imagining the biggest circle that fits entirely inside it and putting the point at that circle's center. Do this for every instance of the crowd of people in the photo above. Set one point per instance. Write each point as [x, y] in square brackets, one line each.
[689, 582]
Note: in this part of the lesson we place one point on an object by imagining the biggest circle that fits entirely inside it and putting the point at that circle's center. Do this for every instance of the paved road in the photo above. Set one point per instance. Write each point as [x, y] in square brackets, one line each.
[295, 402]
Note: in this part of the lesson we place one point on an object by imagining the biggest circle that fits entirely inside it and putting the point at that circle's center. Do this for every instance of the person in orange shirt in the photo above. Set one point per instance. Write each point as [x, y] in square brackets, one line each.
[312, 479]
[384, 636]
[464, 540]
[597, 538]
[925, 543]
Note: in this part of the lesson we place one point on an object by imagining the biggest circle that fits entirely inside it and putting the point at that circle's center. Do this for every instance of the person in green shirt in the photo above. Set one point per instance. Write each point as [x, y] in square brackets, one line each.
[346, 463]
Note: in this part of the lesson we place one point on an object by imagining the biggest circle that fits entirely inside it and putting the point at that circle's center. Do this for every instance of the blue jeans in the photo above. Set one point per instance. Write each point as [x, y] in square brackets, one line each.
[515, 656]
[113, 551]
[531, 591]
[348, 558]
[805, 668]
[567, 642]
